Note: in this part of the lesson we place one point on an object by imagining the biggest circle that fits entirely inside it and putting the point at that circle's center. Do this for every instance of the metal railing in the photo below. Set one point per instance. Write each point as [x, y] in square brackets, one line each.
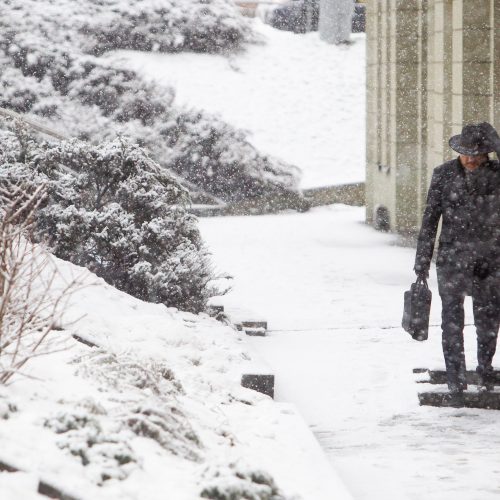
[36, 126]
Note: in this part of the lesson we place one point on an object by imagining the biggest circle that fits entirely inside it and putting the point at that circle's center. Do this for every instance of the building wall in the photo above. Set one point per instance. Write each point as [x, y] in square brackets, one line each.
[429, 71]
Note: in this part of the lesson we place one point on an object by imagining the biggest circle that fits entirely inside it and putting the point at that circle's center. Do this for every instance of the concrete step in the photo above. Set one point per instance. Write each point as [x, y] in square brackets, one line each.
[472, 399]
[256, 374]
[260, 382]
[439, 376]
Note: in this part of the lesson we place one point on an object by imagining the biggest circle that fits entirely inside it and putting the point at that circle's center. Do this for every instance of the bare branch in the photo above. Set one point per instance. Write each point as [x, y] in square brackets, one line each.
[32, 291]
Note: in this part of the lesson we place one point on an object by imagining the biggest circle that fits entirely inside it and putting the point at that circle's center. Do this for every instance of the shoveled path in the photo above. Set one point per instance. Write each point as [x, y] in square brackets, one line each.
[331, 289]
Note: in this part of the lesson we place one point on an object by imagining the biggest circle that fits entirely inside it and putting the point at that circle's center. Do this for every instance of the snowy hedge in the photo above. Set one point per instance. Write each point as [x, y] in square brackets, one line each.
[234, 483]
[166, 26]
[115, 211]
[47, 69]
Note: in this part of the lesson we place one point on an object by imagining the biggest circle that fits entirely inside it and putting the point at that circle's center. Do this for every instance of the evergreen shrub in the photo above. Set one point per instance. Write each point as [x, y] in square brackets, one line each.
[115, 211]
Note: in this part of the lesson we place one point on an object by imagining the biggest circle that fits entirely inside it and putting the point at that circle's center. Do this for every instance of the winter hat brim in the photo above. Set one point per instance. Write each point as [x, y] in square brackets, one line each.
[456, 144]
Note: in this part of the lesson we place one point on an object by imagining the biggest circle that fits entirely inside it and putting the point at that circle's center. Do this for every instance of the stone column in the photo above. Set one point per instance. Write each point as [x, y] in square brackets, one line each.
[440, 75]
[372, 103]
[423, 108]
[496, 67]
[384, 173]
[457, 66]
[478, 73]
[407, 137]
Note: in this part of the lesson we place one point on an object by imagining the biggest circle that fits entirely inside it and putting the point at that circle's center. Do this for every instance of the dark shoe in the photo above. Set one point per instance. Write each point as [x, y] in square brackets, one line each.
[454, 399]
[484, 385]
[485, 388]
[459, 386]
[484, 381]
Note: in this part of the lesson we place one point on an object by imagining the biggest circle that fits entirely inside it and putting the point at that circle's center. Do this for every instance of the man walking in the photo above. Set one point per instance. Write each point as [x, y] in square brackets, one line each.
[465, 194]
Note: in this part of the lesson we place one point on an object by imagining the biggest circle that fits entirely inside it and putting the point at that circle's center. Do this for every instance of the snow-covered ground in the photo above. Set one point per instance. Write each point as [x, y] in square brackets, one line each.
[302, 99]
[156, 412]
[332, 288]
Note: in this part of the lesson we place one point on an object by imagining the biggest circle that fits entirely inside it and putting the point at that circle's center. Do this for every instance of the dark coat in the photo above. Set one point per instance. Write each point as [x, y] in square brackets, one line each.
[469, 244]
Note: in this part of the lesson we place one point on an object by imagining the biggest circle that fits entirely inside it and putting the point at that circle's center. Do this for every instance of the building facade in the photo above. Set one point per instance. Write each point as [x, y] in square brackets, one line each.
[430, 70]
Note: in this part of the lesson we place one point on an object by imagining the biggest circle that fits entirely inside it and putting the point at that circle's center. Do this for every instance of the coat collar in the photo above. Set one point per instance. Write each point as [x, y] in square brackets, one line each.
[458, 165]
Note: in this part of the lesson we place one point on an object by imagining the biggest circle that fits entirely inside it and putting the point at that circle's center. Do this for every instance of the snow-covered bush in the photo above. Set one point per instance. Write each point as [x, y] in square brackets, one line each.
[150, 406]
[46, 70]
[166, 26]
[124, 372]
[18, 93]
[137, 397]
[10, 152]
[213, 154]
[118, 93]
[100, 445]
[233, 482]
[113, 210]
[164, 425]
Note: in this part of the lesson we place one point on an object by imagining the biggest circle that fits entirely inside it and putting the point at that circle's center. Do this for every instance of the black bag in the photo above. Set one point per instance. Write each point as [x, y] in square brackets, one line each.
[417, 309]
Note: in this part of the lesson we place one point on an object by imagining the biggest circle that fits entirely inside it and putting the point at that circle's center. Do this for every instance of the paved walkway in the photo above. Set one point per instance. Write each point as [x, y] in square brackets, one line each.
[331, 289]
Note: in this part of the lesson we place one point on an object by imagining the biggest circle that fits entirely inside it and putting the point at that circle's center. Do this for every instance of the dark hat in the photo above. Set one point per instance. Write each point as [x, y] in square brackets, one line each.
[471, 142]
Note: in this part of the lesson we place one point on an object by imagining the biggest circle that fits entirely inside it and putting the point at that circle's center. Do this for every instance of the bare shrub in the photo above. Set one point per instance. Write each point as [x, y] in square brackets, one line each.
[29, 308]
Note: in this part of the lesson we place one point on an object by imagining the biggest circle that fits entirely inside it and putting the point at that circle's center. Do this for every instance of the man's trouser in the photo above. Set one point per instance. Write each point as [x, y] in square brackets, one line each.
[486, 309]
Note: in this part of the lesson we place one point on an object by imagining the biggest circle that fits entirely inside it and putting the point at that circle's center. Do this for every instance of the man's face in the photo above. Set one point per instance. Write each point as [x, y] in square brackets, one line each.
[472, 162]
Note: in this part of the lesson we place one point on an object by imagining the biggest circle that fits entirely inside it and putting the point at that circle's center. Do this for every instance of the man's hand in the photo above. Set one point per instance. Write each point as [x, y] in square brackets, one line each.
[491, 137]
[421, 272]
[482, 269]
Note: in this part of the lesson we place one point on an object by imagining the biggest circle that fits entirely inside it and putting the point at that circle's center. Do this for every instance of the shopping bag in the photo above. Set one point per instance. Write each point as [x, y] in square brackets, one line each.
[417, 307]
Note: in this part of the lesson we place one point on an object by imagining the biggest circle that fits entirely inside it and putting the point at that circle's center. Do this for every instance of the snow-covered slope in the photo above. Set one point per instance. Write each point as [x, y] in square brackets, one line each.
[155, 412]
[301, 99]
